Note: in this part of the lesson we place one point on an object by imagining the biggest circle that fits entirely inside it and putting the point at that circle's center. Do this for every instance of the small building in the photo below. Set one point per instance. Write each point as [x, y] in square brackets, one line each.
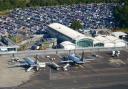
[67, 45]
[119, 34]
[7, 46]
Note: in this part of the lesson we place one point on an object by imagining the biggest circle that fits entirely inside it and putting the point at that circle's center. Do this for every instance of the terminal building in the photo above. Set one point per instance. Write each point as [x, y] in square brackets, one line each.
[7, 46]
[64, 33]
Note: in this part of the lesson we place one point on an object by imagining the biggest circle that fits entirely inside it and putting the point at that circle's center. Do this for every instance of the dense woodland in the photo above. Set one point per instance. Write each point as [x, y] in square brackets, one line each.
[121, 12]
[9, 4]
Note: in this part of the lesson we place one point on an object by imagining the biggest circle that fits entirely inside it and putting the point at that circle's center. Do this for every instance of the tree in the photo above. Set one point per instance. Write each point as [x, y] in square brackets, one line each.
[76, 25]
[121, 14]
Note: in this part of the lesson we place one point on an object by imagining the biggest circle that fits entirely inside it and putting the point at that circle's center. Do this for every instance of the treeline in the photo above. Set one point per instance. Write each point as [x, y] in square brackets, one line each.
[121, 14]
[10, 4]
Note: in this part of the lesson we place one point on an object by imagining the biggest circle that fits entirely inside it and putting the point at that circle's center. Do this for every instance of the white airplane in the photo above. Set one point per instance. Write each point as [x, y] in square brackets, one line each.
[31, 64]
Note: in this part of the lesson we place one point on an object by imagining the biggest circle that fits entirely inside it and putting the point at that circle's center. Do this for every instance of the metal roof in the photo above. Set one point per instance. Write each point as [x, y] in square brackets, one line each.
[68, 31]
[110, 41]
[117, 34]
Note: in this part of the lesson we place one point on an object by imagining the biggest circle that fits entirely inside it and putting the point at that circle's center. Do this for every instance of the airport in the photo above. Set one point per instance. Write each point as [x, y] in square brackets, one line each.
[86, 63]
[43, 51]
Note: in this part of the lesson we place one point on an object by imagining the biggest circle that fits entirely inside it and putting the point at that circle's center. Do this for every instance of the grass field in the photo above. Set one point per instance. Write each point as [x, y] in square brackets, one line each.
[4, 13]
[122, 30]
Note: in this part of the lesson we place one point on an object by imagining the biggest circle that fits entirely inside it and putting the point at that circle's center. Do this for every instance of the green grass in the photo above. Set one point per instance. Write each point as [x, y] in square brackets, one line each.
[122, 30]
[4, 13]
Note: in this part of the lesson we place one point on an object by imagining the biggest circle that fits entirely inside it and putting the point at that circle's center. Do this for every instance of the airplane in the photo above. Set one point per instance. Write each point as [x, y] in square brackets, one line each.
[73, 58]
[52, 64]
[30, 64]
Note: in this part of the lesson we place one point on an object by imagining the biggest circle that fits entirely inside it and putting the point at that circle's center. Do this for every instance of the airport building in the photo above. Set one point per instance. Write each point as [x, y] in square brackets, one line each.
[63, 33]
[7, 46]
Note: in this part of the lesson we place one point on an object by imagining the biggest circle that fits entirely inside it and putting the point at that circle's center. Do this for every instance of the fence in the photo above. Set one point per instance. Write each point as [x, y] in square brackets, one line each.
[61, 51]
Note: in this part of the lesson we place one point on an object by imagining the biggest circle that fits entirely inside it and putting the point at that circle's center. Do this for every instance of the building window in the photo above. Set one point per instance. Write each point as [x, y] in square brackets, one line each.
[11, 49]
[99, 45]
[85, 43]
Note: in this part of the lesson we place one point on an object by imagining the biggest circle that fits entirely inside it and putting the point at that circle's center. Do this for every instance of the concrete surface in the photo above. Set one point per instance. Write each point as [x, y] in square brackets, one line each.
[102, 73]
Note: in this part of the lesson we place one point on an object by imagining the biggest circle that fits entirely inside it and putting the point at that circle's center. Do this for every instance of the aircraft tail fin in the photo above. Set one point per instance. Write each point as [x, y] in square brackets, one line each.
[82, 56]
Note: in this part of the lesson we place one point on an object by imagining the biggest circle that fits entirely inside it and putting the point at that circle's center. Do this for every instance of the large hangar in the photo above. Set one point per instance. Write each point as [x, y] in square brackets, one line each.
[64, 33]
[67, 34]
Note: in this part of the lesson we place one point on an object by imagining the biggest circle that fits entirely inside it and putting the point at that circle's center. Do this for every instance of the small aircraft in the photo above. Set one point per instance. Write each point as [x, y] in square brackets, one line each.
[30, 64]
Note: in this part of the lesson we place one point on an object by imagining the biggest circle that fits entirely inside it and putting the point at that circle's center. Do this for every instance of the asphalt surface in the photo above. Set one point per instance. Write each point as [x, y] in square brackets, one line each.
[97, 74]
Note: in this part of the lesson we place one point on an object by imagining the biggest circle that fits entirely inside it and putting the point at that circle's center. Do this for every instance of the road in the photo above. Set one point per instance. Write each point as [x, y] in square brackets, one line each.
[62, 51]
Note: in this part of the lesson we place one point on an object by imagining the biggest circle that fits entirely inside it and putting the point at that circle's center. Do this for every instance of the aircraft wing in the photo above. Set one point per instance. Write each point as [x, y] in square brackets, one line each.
[20, 64]
[68, 61]
[82, 62]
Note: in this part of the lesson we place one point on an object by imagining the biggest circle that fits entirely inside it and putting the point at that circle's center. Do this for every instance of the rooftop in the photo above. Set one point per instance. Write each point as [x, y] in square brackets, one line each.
[68, 31]
[117, 34]
[4, 41]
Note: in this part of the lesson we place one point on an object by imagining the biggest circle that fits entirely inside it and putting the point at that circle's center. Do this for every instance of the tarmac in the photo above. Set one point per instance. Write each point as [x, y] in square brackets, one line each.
[106, 72]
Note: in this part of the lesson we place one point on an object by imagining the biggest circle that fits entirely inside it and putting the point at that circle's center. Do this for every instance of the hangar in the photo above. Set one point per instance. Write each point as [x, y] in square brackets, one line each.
[67, 34]
[64, 33]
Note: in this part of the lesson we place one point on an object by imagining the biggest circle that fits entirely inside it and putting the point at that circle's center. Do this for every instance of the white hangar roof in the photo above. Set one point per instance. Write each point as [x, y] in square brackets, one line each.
[68, 31]
[117, 34]
[110, 41]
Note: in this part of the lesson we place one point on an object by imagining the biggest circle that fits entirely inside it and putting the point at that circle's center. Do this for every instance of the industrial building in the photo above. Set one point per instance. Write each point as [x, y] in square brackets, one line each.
[63, 33]
[7, 46]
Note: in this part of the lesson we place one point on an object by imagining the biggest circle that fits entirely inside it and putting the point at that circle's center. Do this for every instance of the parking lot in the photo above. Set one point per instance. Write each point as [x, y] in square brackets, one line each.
[93, 16]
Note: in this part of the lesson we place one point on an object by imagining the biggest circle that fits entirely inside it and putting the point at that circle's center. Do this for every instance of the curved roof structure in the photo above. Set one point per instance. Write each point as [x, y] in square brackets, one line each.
[110, 41]
[68, 45]
[117, 34]
[87, 41]
[67, 31]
